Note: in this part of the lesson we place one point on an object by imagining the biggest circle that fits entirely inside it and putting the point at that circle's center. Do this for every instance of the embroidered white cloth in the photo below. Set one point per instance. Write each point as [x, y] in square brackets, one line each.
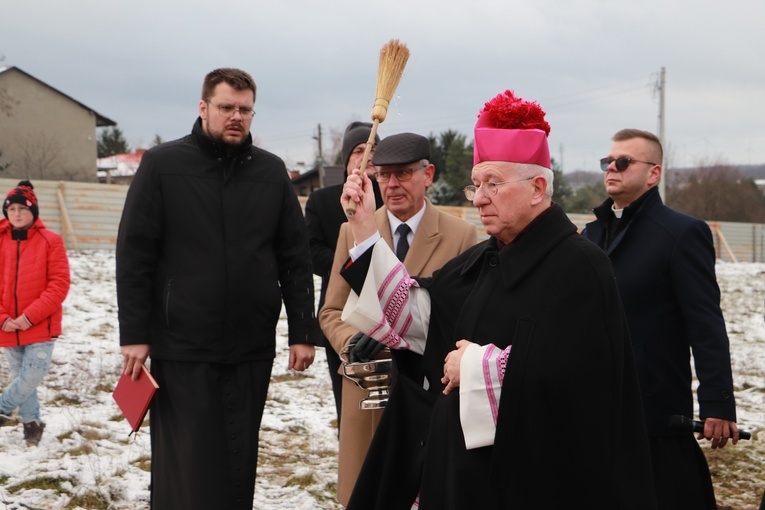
[481, 375]
[393, 309]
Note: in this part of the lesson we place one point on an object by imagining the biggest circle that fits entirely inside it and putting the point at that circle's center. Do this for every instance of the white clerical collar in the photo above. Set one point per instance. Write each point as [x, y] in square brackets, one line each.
[617, 212]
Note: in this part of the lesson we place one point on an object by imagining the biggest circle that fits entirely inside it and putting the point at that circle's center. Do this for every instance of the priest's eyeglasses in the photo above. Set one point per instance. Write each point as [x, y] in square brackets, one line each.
[489, 189]
[621, 164]
[227, 111]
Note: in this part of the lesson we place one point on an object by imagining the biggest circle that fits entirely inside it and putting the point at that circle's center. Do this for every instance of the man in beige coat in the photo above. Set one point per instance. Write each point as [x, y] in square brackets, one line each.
[431, 238]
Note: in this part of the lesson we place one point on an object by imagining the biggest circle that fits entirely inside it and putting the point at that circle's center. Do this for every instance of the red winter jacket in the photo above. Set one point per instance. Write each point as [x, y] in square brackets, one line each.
[34, 281]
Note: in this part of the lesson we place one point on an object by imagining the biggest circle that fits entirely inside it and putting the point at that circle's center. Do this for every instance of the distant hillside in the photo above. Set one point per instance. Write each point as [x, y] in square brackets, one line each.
[753, 171]
[750, 171]
[582, 178]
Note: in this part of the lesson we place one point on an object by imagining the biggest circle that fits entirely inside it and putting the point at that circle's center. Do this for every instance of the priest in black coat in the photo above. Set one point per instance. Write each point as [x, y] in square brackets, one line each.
[664, 263]
[530, 397]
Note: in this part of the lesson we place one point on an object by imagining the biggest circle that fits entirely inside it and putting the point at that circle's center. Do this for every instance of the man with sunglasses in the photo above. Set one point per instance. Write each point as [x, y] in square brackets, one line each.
[665, 269]
[404, 173]
[212, 242]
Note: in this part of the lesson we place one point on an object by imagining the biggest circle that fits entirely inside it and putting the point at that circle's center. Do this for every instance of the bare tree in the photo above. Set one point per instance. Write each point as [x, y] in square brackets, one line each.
[3, 165]
[717, 193]
[6, 101]
[335, 146]
[38, 153]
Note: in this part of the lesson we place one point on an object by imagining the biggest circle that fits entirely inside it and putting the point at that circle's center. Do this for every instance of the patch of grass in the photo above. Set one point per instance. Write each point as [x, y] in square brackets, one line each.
[324, 453]
[66, 435]
[92, 434]
[737, 474]
[15, 420]
[302, 481]
[83, 449]
[42, 483]
[91, 500]
[103, 330]
[143, 463]
[289, 376]
[279, 400]
[325, 495]
[105, 387]
[296, 429]
[62, 400]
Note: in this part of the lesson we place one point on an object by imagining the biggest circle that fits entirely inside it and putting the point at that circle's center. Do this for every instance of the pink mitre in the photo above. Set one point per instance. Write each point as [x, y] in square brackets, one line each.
[511, 129]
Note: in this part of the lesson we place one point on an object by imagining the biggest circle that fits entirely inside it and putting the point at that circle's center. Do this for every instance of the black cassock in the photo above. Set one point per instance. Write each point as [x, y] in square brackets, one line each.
[570, 429]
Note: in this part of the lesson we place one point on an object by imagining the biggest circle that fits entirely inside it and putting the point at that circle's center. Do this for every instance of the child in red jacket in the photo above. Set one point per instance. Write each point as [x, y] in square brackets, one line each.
[34, 281]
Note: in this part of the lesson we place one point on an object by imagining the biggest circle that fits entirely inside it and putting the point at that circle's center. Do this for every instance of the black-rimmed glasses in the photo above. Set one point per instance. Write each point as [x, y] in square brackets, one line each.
[621, 164]
[489, 189]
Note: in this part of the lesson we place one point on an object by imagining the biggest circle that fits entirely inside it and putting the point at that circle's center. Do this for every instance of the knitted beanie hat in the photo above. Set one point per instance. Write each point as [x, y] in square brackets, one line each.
[22, 194]
[355, 133]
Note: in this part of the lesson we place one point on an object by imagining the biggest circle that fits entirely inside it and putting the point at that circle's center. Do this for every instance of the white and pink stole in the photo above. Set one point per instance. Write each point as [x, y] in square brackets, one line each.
[393, 309]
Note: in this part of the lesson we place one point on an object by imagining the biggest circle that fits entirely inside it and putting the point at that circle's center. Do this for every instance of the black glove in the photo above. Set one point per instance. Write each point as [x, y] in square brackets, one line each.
[363, 348]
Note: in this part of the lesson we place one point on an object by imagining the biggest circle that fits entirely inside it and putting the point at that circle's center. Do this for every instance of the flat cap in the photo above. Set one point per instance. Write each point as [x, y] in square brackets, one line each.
[401, 149]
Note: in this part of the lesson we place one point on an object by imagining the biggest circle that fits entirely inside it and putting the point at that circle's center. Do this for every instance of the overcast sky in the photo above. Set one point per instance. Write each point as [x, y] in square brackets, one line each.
[593, 65]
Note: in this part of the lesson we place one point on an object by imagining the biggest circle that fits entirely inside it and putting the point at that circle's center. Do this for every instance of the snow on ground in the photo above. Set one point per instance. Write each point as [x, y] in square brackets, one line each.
[86, 459]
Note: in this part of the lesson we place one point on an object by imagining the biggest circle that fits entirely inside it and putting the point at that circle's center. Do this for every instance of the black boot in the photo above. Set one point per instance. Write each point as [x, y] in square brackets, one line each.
[33, 432]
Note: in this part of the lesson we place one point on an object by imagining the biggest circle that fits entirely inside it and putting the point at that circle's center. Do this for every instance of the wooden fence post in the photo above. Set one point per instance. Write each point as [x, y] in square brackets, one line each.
[721, 238]
[66, 224]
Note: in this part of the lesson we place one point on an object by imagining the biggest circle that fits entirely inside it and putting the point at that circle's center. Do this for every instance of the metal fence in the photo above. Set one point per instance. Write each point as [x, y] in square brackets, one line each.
[734, 242]
[87, 216]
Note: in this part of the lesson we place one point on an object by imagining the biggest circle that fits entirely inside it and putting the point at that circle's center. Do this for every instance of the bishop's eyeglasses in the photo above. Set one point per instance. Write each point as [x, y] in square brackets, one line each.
[489, 189]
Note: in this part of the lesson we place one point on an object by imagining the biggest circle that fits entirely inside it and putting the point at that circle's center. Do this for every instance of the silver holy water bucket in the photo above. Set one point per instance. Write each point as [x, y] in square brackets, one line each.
[373, 376]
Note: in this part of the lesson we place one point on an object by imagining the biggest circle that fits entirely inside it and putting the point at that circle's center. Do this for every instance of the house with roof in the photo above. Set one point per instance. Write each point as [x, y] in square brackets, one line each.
[44, 133]
[311, 180]
[119, 168]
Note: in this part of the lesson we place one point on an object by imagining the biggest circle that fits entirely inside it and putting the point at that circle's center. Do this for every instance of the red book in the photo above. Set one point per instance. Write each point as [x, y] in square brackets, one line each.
[134, 397]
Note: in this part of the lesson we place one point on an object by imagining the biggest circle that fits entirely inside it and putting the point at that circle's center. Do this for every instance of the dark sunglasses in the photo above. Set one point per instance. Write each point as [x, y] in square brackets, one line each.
[622, 163]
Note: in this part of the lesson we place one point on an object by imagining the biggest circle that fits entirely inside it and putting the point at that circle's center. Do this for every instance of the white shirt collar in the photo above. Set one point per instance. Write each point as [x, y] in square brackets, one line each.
[413, 223]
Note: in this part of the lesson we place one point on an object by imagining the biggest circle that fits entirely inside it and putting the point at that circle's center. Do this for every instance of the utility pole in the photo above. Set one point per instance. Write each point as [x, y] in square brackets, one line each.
[321, 159]
[662, 139]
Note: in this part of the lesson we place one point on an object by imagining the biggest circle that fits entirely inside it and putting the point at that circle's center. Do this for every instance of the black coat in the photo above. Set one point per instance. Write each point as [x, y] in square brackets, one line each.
[323, 217]
[664, 263]
[570, 430]
[208, 247]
